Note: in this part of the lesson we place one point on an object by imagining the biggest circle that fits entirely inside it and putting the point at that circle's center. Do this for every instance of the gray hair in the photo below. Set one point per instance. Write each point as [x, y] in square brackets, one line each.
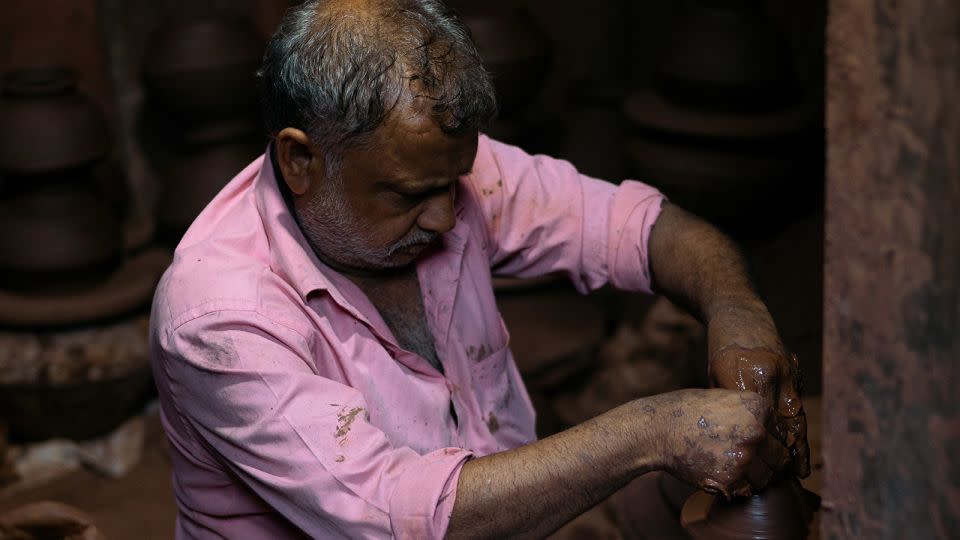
[336, 71]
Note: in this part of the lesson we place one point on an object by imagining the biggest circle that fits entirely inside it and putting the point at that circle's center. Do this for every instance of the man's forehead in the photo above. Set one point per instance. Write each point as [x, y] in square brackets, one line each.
[418, 151]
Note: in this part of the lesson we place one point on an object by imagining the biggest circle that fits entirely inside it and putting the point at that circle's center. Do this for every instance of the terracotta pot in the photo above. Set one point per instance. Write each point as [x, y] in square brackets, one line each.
[781, 512]
[514, 49]
[203, 72]
[57, 240]
[127, 290]
[194, 180]
[726, 55]
[718, 184]
[718, 164]
[78, 411]
[47, 125]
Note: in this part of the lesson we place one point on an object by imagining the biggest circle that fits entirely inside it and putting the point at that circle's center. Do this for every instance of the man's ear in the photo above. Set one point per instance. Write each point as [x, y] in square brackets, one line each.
[298, 158]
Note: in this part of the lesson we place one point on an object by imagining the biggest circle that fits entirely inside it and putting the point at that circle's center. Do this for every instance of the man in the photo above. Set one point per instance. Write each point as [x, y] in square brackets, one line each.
[326, 344]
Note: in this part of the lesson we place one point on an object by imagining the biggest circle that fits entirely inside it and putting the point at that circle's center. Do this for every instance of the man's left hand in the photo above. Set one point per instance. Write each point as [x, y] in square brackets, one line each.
[773, 375]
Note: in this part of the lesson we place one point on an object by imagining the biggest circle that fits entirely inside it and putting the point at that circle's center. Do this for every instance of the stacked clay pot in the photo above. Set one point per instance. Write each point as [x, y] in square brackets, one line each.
[63, 264]
[517, 53]
[724, 130]
[59, 236]
[200, 80]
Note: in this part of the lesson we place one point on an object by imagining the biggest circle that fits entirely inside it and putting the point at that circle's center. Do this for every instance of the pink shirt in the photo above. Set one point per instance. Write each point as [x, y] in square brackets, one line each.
[288, 404]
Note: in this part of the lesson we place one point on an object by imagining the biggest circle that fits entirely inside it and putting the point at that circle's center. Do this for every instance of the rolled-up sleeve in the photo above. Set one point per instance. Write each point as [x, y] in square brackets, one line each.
[245, 387]
[542, 216]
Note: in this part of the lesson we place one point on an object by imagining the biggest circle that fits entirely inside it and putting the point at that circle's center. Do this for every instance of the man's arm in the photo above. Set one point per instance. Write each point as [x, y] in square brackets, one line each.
[698, 267]
[707, 437]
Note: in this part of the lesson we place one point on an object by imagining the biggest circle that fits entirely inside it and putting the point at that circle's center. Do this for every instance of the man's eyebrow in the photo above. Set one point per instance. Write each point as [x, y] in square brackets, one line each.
[412, 184]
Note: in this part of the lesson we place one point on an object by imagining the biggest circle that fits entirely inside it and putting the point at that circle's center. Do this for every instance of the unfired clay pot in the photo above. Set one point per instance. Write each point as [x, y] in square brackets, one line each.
[193, 181]
[515, 50]
[725, 129]
[78, 411]
[203, 72]
[781, 512]
[726, 55]
[57, 240]
[47, 125]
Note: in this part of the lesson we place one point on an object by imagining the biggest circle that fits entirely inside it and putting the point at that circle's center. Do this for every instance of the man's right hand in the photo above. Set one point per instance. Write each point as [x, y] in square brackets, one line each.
[715, 439]
[710, 438]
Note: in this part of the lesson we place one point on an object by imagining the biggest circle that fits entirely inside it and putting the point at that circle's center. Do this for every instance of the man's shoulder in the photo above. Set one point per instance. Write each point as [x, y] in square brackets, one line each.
[201, 280]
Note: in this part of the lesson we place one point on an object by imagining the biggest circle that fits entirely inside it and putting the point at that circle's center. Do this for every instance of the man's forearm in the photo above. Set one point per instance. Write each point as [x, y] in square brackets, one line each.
[701, 269]
[533, 490]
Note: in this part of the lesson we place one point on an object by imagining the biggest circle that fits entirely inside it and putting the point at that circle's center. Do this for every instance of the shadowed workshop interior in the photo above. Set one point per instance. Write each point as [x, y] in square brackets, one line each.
[819, 135]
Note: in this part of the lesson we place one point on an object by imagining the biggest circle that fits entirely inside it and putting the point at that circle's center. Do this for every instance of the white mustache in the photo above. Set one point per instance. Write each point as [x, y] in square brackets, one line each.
[419, 237]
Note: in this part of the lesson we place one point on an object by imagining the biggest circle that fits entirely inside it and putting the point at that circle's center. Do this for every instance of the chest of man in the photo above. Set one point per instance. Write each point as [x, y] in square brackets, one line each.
[399, 300]
[425, 349]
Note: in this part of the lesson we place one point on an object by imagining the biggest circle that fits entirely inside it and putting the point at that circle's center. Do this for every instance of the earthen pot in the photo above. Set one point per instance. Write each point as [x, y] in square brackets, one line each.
[515, 50]
[783, 511]
[79, 411]
[47, 124]
[57, 240]
[194, 180]
[726, 55]
[203, 72]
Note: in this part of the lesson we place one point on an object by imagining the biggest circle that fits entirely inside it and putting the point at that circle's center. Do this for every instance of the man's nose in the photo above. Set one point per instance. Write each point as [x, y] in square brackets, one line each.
[438, 215]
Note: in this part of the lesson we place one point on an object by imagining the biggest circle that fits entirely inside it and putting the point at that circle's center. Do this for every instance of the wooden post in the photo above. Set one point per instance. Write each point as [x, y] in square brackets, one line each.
[892, 282]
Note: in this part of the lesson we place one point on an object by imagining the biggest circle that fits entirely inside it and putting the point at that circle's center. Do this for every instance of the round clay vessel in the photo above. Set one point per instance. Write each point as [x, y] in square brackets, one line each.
[725, 55]
[203, 72]
[57, 240]
[781, 512]
[78, 411]
[515, 50]
[47, 125]
[194, 180]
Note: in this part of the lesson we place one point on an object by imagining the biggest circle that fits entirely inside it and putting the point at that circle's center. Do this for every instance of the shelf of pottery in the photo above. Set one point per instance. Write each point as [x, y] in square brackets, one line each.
[75, 281]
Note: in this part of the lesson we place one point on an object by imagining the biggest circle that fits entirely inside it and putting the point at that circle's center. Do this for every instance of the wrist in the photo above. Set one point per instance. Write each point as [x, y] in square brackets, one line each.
[742, 323]
[652, 419]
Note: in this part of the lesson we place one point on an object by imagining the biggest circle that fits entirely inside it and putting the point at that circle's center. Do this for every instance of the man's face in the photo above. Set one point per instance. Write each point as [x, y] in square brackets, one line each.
[393, 198]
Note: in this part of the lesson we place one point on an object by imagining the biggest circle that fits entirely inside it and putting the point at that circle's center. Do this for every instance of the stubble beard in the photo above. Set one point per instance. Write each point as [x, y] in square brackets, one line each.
[338, 236]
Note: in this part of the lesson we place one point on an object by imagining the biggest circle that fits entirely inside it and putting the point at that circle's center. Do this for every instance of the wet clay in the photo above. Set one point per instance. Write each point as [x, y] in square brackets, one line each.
[781, 512]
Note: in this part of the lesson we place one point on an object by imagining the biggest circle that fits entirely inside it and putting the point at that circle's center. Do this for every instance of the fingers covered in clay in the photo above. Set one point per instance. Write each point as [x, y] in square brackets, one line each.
[720, 443]
[776, 378]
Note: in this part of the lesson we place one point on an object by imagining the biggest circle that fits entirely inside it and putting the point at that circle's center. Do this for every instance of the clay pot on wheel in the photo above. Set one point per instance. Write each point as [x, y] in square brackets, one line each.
[47, 125]
[203, 72]
[783, 511]
[57, 240]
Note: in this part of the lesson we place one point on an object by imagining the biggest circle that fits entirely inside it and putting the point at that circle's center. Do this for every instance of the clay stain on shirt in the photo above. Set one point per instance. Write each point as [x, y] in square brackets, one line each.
[476, 354]
[493, 424]
[345, 421]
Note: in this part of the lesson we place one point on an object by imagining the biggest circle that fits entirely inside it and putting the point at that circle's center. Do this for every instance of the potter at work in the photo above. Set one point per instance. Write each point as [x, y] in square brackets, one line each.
[327, 347]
